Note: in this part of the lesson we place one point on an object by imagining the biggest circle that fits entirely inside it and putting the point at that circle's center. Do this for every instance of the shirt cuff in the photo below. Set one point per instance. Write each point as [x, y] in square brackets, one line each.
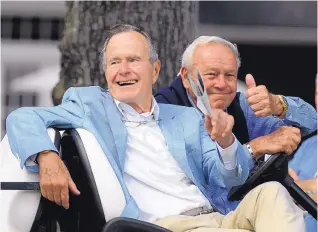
[31, 160]
[229, 155]
[249, 157]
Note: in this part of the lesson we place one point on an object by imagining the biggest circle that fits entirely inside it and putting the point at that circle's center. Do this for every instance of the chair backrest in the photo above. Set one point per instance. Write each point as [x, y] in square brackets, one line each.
[101, 193]
[18, 208]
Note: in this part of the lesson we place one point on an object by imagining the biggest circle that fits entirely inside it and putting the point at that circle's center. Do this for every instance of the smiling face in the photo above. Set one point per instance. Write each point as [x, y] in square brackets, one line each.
[129, 71]
[218, 67]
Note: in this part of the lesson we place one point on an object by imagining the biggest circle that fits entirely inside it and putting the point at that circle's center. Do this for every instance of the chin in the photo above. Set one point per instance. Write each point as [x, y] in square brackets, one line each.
[218, 105]
[128, 99]
[125, 98]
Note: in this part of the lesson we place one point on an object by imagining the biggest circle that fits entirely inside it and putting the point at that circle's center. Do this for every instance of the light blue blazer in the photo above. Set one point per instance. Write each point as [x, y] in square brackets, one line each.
[93, 109]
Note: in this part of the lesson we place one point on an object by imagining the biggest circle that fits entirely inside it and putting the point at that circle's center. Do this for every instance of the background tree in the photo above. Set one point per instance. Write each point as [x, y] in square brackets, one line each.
[169, 24]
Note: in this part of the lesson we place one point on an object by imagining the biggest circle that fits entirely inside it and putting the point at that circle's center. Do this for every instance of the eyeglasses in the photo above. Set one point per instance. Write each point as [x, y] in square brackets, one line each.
[137, 124]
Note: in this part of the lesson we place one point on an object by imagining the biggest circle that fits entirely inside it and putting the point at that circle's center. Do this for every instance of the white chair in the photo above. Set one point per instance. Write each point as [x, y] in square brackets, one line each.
[18, 208]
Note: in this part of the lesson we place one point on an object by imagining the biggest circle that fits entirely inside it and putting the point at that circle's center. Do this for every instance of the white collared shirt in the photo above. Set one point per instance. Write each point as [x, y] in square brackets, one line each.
[153, 177]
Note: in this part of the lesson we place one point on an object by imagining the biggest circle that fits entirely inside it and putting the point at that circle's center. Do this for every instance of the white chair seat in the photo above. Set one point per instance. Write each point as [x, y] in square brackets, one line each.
[17, 207]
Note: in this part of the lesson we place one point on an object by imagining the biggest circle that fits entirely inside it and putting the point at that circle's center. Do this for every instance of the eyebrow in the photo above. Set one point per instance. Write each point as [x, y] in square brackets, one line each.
[127, 57]
[133, 56]
[217, 70]
[231, 71]
[113, 58]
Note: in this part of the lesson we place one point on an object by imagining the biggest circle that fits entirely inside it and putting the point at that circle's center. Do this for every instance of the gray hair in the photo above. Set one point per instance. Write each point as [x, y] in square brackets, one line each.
[188, 53]
[119, 28]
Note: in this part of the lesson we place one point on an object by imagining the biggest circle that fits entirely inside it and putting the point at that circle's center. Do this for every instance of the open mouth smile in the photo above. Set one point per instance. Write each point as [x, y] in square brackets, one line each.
[125, 83]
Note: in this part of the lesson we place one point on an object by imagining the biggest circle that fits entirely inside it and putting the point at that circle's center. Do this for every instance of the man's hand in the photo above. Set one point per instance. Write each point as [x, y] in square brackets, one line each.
[261, 101]
[284, 139]
[220, 127]
[308, 185]
[292, 174]
[55, 180]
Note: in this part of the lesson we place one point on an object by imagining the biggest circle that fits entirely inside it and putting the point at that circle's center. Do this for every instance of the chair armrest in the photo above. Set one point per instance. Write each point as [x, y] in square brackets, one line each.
[18, 207]
[10, 170]
[122, 224]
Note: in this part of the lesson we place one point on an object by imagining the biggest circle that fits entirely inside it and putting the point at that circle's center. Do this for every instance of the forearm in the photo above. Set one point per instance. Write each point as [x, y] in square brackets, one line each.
[309, 186]
[27, 134]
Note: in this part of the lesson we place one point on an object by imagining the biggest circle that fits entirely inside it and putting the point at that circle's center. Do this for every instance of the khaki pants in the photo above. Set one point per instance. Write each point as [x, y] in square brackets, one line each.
[267, 208]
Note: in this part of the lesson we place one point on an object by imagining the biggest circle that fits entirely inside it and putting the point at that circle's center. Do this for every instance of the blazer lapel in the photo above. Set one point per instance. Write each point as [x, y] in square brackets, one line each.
[118, 129]
[173, 132]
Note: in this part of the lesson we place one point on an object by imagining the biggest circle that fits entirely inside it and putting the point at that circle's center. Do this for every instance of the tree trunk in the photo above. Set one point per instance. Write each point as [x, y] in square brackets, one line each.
[169, 24]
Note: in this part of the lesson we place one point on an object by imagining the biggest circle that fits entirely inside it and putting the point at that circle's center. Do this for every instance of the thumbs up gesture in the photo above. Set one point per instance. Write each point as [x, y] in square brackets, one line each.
[261, 101]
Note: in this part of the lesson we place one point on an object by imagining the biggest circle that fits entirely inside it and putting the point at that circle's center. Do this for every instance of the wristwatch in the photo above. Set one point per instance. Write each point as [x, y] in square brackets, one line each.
[250, 150]
[284, 104]
[37, 155]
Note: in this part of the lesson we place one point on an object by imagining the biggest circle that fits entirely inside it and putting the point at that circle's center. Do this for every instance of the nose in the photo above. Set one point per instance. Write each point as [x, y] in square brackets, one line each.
[124, 68]
[220, 82]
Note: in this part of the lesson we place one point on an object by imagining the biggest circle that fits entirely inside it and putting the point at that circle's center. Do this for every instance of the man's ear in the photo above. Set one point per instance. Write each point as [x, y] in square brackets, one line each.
[156, 70]
[184, 72]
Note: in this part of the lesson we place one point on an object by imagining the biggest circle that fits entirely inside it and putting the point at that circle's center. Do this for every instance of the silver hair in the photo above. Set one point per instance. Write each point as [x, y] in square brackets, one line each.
[187, 56]
[119, 28]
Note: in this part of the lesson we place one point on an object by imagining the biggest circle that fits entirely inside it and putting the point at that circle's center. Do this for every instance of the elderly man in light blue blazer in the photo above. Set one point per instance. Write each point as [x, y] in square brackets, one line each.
[161, 152]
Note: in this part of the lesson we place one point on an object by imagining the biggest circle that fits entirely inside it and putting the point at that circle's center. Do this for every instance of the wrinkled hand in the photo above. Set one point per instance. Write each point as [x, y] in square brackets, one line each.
[55, 180]
[284, 139]
[261, 101]
[220, 127]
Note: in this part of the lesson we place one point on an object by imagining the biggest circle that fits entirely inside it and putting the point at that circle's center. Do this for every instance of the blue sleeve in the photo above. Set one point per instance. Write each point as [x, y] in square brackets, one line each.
[213, 167]
[27, 127]
[304, 161]
[300, 114]
[258, 126]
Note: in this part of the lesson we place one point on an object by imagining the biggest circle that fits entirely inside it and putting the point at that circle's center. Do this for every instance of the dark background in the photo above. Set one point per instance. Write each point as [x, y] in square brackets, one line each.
[288, 69]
